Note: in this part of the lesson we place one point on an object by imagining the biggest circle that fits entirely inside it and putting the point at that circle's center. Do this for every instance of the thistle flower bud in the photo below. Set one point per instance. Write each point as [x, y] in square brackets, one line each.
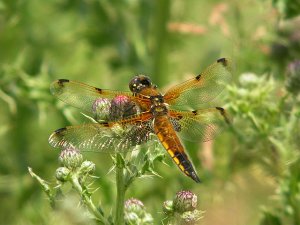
[101, 108]
[135, 213]
[70, 158]
[248, 79]
[62, 174]
[191, 217]
[134, 205]
[185, 201]
[168, 207]
[293, 77]
[120, 100]
[87, 167]
[122, 106]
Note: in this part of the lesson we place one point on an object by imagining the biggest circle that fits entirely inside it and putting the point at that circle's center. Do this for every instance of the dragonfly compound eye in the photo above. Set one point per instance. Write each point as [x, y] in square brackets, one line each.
[139, 82]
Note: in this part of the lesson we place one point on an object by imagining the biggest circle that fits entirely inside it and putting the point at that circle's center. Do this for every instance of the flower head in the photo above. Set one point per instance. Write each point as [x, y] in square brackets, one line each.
[101, 108]
[87, 167]
[62, 174]
[168, 207]
[135, 213]
[293, 77]
[122, 106]
[185, 201]
[191, 217]
[70, 158]
[134, 205]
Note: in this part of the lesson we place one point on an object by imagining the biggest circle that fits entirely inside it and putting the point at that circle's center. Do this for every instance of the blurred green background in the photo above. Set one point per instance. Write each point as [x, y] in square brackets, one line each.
[250, 173]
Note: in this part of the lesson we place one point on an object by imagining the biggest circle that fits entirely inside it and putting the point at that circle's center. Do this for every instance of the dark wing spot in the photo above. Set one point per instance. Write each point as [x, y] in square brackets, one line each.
[99, 90]
[60, 130]
[223, 61]
[223, 113]
[62, 81]
[198, 77]
[105, 124]
[220, 109]
[194, 112]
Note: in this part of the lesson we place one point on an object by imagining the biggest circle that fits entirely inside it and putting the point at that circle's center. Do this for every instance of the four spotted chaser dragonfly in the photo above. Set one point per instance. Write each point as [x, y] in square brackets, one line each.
[125, 119]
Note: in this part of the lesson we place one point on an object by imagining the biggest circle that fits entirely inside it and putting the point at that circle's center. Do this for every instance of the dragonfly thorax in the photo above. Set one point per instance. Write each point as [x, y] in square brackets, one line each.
[157, 99]
[159, 110]
[158, 106]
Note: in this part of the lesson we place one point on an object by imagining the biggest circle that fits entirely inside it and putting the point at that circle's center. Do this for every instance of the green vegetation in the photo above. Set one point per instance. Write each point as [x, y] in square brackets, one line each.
[250, 173]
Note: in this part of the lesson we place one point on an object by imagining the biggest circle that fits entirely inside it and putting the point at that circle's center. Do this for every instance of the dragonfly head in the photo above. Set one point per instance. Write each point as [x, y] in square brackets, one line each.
[139, 82]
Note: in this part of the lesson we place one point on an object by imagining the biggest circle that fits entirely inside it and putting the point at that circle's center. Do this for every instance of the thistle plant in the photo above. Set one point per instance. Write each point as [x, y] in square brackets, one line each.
[182, 210]
[267, 114]
[80, 174]
[293, 77]
[135, 213]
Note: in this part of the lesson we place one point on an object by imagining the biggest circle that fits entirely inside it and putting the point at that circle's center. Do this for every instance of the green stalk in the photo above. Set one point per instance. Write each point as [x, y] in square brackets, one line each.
[86, 197]
[162, 14]
[46, 188]
[119, 217]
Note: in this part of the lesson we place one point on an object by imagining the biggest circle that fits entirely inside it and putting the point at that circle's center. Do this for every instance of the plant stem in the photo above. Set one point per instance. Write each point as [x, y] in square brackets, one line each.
[162, 14]
[47, 189]
[87, 199]
[119, 217]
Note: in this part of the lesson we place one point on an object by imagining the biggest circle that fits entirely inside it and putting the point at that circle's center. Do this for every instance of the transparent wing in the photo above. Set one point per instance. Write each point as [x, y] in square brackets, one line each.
[201, 89]
[84, 97]
[199, 125]
[104, 137]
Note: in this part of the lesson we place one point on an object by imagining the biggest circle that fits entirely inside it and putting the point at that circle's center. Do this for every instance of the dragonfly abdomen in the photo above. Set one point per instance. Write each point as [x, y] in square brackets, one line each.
[169, 139]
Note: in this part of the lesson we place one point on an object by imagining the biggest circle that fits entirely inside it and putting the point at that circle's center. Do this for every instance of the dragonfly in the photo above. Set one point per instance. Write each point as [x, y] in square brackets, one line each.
[126, 119]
